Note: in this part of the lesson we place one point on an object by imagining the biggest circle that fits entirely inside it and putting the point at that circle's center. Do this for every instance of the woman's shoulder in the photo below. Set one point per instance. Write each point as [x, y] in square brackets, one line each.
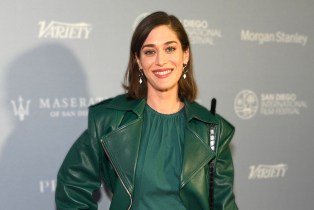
[215, 117]
[118, 102]
[108, 101]
[116, 107]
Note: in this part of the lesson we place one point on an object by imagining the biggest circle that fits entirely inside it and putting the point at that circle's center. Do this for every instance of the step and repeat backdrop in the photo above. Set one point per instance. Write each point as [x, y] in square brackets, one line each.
[255, 57]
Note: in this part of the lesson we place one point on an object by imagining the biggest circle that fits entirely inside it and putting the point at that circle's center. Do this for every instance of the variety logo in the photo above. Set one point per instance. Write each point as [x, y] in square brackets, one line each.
[275, 37]
[246, 104]
[60, 30]
[268, 171]
[21, 108]
[56, 107]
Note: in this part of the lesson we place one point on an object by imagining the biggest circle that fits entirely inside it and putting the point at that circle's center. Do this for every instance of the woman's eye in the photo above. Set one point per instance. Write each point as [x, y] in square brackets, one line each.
[149, 52]
[170, 49]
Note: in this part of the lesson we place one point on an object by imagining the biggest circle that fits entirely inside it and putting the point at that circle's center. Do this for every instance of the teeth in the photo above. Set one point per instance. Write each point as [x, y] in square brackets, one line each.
[162, 72]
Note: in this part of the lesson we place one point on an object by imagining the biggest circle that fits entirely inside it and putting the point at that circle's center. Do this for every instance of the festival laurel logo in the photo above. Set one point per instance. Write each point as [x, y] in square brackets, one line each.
[246, 104]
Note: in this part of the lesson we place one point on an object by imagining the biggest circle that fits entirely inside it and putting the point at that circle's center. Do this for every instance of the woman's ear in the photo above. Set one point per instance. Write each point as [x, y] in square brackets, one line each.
[186, 55]
[138, 62]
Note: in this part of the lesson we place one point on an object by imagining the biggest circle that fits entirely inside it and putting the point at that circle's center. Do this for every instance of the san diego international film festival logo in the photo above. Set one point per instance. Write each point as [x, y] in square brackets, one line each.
[198, 30]
[63, 30]
[247, 104]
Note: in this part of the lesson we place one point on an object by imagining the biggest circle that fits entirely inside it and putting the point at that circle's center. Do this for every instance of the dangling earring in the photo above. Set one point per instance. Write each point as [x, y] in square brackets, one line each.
[185, 71]
[140, 76]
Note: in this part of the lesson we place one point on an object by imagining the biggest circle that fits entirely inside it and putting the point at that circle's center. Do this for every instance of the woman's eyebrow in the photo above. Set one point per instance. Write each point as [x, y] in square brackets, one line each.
[153, 45]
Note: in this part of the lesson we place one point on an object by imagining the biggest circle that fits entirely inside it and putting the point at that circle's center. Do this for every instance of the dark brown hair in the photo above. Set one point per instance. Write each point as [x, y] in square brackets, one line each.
[135, 90]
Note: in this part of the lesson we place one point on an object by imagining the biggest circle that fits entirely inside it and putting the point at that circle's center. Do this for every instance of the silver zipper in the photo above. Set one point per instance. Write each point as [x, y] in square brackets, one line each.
[212, 137]
[102, 144]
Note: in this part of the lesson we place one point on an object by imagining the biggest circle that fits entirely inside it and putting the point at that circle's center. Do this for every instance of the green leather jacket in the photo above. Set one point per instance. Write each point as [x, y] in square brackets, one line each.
[108, 151]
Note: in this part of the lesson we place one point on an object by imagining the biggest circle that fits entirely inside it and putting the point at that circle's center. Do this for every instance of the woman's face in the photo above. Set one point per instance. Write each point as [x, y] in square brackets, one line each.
[162, 59]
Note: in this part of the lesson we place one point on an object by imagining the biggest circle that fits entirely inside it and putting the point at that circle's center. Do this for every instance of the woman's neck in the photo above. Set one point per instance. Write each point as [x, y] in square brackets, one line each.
[164, 102]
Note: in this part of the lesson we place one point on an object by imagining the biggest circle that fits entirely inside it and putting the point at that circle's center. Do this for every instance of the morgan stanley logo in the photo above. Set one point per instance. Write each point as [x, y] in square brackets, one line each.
[60, 30]
[21, 109]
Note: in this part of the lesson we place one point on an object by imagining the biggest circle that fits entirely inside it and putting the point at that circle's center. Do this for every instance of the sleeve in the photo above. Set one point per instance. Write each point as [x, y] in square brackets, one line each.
[79, 175]
[224, 198]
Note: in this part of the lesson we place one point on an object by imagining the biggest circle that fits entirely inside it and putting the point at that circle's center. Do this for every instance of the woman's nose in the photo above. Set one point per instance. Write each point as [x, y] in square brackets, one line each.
[161, 58]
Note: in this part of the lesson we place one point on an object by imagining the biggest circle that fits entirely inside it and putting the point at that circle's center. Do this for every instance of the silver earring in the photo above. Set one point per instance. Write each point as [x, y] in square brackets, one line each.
[185, 71]
[140, 76]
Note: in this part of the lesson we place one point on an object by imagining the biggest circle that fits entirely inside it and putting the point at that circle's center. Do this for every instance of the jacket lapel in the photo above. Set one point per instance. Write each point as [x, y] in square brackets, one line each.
[122, 144]
[122, 148]
[196, 152]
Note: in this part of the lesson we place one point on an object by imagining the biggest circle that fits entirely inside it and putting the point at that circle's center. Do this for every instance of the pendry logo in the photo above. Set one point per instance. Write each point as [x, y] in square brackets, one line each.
[47, 186]
[61, 30]
[21, 108]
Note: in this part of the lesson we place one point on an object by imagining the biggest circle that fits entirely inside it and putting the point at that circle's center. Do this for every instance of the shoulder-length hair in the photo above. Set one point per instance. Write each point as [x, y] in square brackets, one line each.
[187, 87]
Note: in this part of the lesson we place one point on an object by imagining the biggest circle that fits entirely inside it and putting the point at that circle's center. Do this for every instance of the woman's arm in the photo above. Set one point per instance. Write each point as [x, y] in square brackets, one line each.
[224, 198]
[80, 173]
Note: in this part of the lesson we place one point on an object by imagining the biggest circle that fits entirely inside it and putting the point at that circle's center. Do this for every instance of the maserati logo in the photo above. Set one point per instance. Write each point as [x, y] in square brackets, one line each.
[21, 109]
[246, 104]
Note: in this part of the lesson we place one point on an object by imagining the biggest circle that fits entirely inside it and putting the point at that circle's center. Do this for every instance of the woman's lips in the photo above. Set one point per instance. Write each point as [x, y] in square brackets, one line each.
[161, 73]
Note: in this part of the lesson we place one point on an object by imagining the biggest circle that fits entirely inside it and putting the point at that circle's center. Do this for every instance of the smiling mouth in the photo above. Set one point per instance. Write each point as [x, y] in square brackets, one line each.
[162, 72]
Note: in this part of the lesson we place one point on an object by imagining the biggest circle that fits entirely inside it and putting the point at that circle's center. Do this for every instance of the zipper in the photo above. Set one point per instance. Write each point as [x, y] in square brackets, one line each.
[212, 143]
[123, 184]
[212, 137]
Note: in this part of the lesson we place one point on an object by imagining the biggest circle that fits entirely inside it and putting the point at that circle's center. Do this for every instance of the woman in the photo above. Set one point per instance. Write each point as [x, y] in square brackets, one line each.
[151, 146]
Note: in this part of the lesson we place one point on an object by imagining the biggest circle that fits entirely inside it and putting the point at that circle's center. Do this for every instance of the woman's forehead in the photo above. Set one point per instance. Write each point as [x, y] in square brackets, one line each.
[161, 35]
